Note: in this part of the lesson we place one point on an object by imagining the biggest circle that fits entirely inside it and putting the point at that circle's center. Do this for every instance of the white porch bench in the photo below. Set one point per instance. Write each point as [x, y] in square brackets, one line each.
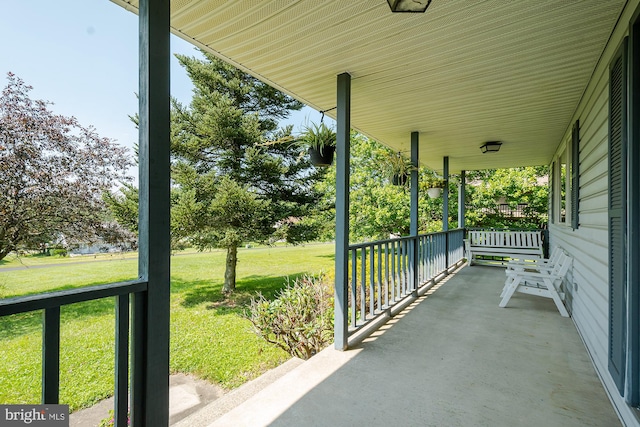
[526, 245]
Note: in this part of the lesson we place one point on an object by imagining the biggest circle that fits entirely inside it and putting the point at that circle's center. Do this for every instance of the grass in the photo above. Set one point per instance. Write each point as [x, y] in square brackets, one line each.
[209, 336]
[38, 259]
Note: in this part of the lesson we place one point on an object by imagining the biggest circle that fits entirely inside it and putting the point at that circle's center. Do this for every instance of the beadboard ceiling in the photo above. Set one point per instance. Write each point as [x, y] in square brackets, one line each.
[464, 72]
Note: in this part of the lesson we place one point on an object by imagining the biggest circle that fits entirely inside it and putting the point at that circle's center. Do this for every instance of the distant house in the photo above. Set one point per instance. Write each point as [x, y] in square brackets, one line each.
[109, 239]
[101, 247]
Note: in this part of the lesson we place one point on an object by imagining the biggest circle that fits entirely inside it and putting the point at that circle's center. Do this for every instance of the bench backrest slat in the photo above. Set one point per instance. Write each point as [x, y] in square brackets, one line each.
[562, 266]
[517, 239]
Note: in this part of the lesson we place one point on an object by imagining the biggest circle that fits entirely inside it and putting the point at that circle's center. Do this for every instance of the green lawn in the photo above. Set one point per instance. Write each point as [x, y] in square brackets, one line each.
[209, 337]
[37, 259]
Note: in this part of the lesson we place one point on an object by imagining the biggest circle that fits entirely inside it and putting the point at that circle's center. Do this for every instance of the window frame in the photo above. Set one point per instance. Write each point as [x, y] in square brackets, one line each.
[561, 204]
[574, 176]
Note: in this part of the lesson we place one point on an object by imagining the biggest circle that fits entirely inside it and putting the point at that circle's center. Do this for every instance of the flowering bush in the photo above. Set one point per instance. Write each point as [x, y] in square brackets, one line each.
[299, 320]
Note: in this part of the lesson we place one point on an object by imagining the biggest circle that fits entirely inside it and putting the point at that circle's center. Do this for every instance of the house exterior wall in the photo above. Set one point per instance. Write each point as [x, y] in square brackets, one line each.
[587, 288]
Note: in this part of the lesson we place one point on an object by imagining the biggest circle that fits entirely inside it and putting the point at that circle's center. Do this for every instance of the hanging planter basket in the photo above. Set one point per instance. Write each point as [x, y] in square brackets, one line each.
[320, 142]
[434, 192]
[399, 179]
[398, 168]
[322, 157]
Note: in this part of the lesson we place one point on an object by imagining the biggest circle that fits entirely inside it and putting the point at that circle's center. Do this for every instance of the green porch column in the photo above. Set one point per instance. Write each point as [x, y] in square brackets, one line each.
[413, 218]
[462, 196]
[150, 350]
[445, 208]
[341, 303]
[413, 224]
[445, 194]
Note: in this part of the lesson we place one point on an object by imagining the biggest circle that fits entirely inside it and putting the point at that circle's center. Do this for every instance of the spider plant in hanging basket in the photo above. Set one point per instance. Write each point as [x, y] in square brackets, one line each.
[398, 168]
[320, 141]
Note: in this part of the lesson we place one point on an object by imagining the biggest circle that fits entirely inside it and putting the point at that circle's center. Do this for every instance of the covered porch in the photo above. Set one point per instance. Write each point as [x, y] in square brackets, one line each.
[452, 358]
[437, 86]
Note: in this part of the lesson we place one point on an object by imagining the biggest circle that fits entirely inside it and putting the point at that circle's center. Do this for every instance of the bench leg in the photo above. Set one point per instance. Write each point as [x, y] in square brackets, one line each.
[467, 250]
[510, 279]
[556, 298]
[506, 286]
[509, 290]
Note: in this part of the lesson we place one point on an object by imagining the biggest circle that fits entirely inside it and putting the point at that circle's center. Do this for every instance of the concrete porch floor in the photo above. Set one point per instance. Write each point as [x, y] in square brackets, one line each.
[453, 358]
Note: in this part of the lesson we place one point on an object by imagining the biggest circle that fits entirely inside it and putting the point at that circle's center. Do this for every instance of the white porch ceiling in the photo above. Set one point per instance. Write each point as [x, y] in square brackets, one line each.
[462, 73]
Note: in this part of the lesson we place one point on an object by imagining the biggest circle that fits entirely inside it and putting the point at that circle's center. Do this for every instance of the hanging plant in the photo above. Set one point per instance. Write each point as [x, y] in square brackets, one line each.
[434, 185]
[399, 179]
[320, 141]
[434, 192]
[398, 168]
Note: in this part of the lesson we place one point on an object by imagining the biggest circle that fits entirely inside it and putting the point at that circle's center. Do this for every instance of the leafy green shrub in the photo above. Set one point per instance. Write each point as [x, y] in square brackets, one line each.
[299, 320]
[59, 252]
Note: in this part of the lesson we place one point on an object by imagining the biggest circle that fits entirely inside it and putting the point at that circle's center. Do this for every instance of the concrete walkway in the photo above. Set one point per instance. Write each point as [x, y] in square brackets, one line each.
[451, 359]
[187, 395]
[192, 400]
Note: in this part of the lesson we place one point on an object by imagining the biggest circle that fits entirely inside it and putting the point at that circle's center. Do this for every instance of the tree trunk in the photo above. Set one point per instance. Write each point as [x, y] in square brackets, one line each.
[230, 270]
[4, 252]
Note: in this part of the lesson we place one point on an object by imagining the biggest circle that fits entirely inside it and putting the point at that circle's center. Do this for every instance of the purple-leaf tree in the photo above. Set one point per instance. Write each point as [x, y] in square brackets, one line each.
[53, 172]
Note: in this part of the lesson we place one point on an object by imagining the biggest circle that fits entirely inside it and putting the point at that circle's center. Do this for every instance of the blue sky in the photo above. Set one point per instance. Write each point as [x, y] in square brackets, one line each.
[82, 55]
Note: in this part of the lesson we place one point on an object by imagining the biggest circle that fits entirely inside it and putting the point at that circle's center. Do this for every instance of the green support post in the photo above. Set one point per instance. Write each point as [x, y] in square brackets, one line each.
[413, 224]
[445, 194]
[150, 353]
[341, 304]
[445, 207]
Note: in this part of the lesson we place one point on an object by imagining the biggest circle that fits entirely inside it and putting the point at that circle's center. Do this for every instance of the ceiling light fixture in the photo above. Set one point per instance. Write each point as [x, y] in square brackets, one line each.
[490, 147]
[412, 6]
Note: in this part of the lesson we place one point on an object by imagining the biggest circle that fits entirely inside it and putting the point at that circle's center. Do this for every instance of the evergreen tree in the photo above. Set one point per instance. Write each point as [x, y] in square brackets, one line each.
[230, 185]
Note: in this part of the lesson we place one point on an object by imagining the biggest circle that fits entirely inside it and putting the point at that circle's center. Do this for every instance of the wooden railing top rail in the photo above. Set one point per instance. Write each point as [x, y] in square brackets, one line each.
[402, 238]
[502, 229]
[46, 300]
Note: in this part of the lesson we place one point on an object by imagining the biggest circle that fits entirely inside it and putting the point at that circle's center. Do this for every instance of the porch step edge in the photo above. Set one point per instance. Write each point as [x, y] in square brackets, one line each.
[229, 401]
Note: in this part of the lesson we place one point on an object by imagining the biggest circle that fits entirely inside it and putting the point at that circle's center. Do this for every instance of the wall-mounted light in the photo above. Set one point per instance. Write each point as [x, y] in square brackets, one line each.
[415, 6]
[490, 147]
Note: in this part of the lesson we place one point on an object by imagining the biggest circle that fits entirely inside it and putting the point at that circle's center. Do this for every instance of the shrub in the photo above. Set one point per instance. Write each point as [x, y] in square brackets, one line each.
[59, 252]
[299, 320]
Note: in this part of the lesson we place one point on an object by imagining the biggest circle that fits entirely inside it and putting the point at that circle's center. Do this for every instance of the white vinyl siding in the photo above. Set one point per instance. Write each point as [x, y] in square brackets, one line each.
[587, 292]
